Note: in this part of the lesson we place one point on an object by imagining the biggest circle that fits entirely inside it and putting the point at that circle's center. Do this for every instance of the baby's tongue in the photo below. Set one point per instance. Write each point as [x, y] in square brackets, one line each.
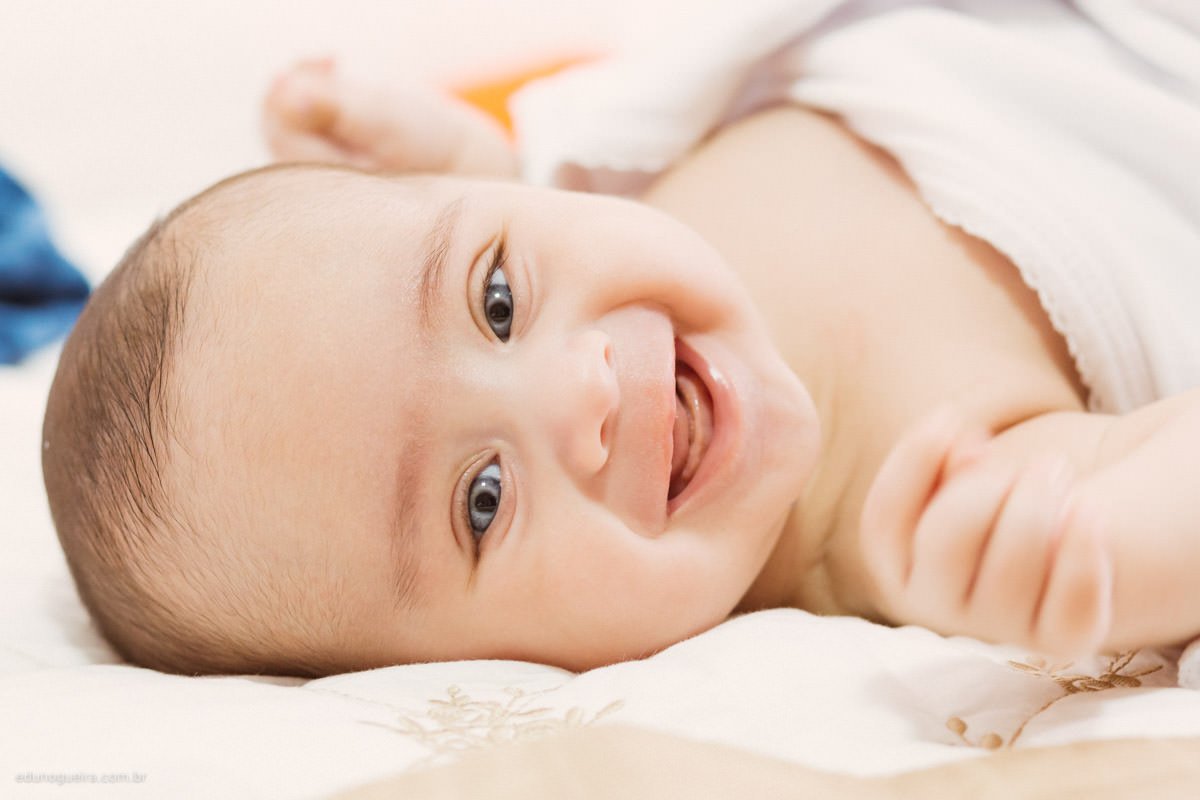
[682, 426]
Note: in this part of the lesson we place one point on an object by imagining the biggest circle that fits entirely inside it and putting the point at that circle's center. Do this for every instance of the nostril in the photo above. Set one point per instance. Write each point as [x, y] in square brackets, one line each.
[604, 429]
[608, 354]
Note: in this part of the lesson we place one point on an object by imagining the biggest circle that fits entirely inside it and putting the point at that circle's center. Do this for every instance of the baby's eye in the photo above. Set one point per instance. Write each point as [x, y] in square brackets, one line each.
[483, 499]
[498, 301]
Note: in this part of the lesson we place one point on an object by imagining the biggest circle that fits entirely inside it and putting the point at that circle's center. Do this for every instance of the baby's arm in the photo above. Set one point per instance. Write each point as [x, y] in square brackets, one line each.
[1066, 533]
[1146, 496]
[312, 113]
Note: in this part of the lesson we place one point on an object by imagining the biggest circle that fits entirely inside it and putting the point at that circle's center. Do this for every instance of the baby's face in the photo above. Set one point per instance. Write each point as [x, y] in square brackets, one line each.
[465, 393]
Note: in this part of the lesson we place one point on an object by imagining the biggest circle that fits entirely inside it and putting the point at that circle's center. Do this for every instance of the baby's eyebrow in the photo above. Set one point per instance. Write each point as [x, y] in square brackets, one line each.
[405, 528]
[433, 265]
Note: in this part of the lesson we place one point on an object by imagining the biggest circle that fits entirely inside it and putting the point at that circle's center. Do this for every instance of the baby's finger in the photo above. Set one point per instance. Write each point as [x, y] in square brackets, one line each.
[951, 539]
[1004, 597]
[1075, 612]
[898, 495]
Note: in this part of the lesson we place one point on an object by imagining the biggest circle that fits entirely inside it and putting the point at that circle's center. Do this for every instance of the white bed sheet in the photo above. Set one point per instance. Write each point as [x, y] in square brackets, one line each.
[115, 111]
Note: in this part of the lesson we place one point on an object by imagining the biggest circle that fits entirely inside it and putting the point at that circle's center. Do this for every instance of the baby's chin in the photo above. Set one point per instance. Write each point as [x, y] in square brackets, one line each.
[789, 446]
[799, 424]
[789, 424]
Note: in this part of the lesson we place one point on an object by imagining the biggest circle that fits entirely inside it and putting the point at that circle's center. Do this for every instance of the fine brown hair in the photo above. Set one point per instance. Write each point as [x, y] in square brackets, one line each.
[105, 439]
[144, 563]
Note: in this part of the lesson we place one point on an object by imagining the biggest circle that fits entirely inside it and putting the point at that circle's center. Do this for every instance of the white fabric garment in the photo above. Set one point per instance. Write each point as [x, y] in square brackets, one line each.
[1066, 135]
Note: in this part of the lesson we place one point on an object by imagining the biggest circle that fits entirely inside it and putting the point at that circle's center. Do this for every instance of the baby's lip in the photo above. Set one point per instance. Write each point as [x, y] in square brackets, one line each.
[693, 424]
[664, 451]
[719, 460]
[640, 458]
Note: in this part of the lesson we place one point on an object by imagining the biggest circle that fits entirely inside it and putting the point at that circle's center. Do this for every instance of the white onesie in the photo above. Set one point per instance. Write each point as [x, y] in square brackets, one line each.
[1067, 135]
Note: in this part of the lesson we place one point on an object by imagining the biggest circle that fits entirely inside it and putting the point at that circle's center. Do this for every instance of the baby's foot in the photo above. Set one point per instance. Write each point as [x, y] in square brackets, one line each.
[314, 113]
[300, 113]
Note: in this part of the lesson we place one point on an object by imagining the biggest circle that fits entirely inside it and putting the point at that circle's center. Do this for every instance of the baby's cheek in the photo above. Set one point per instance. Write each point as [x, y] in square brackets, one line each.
[584, 577]
[679, 270]
[709, 299]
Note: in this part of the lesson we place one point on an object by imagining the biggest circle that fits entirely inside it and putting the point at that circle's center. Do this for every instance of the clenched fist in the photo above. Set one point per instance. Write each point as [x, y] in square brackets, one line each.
[964, 543]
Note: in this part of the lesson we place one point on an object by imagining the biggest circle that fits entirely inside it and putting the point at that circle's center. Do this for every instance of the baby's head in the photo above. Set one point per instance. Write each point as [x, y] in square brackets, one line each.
[320, 420]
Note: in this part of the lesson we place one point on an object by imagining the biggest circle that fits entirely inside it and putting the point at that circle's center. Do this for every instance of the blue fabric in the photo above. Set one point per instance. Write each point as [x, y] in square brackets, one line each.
[41, 293]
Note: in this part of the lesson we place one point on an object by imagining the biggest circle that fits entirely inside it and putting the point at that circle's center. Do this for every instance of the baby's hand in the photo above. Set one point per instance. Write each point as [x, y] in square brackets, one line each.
[966, 544]
[312, 113]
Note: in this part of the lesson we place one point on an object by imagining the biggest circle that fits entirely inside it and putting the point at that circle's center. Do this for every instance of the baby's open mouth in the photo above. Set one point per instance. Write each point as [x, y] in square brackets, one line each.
[693, 427]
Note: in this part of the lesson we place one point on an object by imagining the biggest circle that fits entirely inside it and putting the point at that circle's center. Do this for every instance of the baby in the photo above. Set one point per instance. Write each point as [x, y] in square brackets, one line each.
[331, 417]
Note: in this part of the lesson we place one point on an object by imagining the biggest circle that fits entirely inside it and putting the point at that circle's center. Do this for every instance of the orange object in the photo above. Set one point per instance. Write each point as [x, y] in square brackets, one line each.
[491, 96]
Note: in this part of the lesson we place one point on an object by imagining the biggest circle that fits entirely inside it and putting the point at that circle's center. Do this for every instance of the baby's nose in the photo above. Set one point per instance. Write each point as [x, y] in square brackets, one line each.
[582, 405]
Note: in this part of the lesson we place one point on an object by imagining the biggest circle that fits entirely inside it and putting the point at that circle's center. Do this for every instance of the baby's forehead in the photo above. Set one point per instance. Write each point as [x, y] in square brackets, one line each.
[301, 261]
[311, 269]
[263, 226]
[272, 195]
